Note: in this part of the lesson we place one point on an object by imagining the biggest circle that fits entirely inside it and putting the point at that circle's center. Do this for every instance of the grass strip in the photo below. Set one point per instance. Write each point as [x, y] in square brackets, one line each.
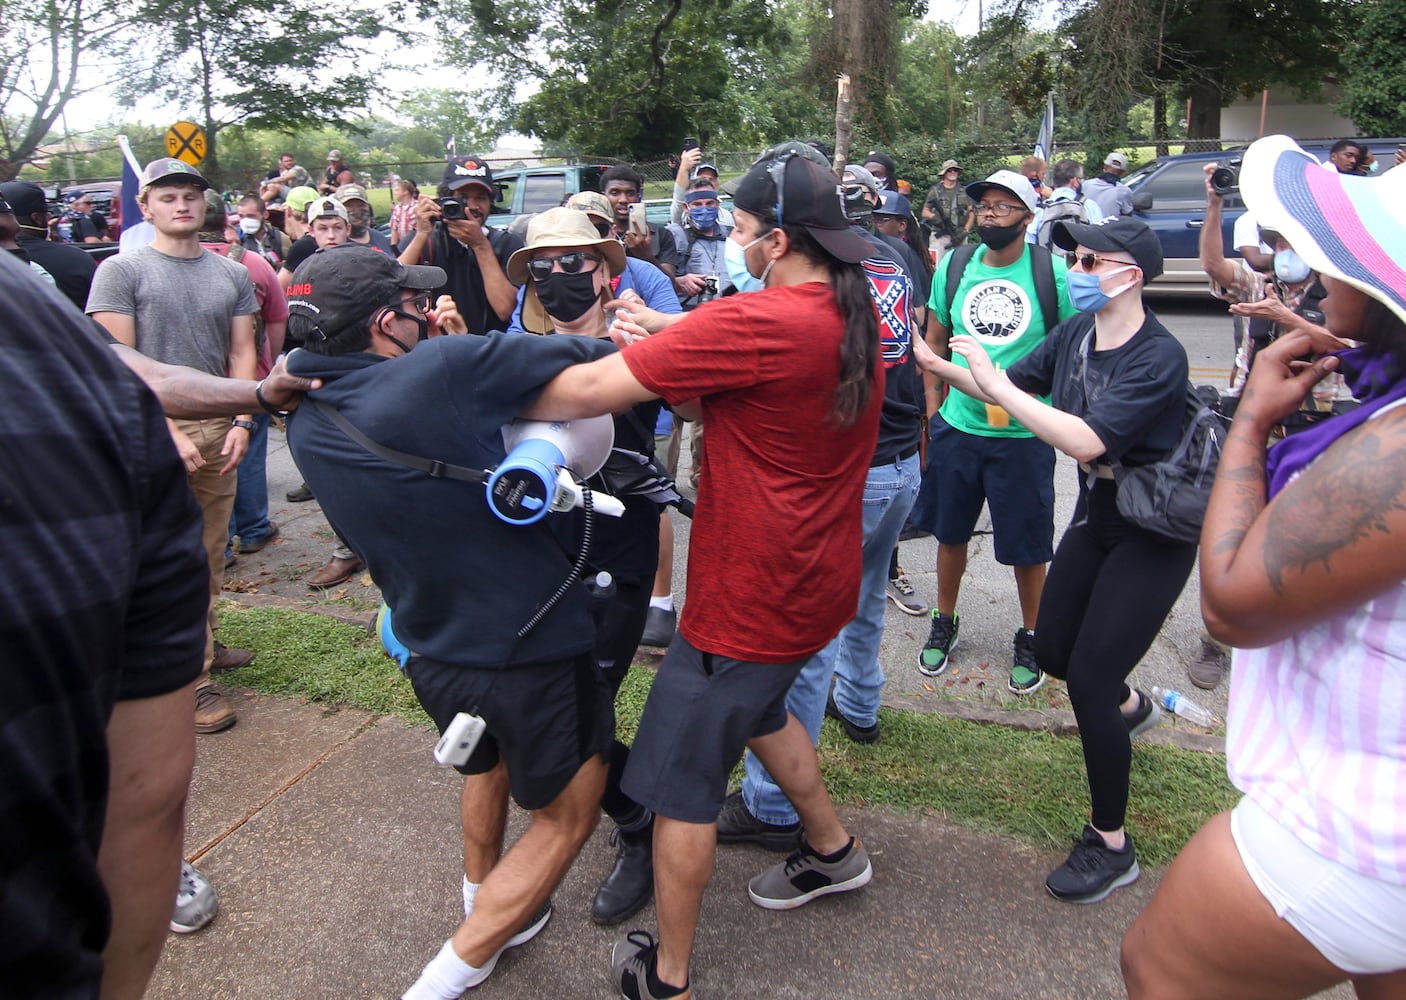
[988, 777]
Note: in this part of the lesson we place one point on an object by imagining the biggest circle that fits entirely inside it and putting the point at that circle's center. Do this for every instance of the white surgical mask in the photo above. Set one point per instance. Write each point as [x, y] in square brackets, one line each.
[250, 227]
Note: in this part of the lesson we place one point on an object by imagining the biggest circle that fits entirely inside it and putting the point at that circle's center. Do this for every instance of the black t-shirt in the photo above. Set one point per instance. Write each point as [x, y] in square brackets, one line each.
[922, 280]
[72, 268]
[303, 248]
[103, 597]
[461, 581]
[893, 291]
[465, 280]
[1133, 396]
[627, 546]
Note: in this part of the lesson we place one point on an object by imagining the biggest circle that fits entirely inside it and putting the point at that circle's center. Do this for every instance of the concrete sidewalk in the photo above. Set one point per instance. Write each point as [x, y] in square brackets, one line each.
[333, 842]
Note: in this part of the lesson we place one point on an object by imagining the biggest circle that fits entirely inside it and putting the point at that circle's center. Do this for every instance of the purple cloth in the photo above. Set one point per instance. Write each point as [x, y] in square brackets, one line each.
[1375, 378]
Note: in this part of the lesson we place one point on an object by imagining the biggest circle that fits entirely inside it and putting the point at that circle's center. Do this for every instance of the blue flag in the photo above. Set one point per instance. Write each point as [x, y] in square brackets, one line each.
[1044, 144]
[131, 183]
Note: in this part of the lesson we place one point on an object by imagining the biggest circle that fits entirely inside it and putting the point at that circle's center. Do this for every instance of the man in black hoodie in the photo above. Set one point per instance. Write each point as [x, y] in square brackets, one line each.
[462, 582]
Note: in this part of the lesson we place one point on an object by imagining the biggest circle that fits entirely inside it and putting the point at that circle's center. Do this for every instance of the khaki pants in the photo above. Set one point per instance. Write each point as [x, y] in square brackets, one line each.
[215, 494]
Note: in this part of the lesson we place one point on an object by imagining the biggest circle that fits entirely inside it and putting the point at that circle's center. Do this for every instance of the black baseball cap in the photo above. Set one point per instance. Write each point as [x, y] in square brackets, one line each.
[25, 198]
[461, 171]
[810, 197]
[341, 286]
[1129, 235]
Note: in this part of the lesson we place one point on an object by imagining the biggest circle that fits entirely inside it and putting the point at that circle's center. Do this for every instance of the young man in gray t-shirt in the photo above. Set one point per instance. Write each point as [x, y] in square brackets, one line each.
[179, 303]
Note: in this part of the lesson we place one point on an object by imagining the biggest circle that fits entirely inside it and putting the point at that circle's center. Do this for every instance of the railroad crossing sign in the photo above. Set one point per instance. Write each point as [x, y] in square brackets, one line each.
[186, 141]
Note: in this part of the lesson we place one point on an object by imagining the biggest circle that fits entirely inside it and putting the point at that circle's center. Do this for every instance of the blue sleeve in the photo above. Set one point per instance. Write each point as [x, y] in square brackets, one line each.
[650, 284]
[515, 324]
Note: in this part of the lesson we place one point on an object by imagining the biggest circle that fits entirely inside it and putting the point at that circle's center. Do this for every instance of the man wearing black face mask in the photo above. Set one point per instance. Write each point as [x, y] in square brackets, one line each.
[461, 581]
[1007, 294]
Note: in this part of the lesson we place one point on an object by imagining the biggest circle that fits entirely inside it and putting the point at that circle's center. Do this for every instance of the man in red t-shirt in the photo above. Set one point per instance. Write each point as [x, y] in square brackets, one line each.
[789, 381]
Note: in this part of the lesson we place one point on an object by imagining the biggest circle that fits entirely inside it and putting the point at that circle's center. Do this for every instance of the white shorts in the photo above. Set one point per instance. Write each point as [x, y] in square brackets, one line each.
[1354, 921]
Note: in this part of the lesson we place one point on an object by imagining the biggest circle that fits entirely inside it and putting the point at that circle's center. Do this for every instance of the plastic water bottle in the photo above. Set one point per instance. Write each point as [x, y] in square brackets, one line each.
[1180, 704]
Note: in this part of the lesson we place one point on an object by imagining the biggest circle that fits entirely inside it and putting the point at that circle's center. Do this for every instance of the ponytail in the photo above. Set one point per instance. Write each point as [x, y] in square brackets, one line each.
[859, 347]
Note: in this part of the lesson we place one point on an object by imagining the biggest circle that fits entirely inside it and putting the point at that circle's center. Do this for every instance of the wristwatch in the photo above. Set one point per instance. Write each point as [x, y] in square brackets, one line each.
[248, 425]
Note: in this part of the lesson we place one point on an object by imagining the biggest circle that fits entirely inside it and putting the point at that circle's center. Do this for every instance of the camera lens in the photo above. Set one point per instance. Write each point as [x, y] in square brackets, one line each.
[1225, 180]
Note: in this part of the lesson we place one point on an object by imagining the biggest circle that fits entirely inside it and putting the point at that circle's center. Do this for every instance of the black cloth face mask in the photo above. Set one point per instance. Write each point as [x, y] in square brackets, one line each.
[1000, 237]
[567, 297]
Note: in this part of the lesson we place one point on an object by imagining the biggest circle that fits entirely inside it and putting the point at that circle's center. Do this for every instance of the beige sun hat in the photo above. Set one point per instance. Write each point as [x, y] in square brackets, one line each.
[559, 227]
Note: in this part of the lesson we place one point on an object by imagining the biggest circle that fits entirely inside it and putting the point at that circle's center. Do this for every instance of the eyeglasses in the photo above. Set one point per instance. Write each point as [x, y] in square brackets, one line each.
[1089, 260]
[573, 262]
[999, 210]
[421, 302]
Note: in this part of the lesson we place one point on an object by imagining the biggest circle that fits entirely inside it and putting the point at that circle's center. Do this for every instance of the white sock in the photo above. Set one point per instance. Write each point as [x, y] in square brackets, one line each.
[445, 978]
[470, 892]
[665, 603]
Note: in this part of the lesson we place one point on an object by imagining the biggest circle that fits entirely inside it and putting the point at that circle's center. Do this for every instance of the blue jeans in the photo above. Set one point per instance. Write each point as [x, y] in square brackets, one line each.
[250, 519]
[853, 655]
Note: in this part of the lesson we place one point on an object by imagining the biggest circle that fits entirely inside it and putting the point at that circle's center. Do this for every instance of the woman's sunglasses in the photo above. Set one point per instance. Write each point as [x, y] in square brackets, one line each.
[1091, 260]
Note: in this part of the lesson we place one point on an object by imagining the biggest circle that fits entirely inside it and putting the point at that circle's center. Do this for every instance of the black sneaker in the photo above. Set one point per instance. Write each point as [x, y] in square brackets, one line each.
[856, 732]
[1026, 677]
[631, 962]
[737, 826]
[942, 639]
[1093, 870]
[1144, 717]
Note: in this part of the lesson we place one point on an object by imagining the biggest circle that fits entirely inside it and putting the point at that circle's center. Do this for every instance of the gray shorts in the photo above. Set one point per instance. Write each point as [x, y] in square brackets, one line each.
[701, 712]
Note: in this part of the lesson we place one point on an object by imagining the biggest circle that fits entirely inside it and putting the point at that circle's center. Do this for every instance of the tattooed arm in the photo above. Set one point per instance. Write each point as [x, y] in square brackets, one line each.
[1329, 541]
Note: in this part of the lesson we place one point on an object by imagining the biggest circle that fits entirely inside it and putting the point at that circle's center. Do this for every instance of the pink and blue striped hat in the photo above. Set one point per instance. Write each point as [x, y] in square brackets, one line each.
[1348, 227]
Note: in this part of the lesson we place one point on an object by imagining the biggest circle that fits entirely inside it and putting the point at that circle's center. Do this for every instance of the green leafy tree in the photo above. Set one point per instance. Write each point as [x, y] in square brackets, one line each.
[619, 77]
[1374, 86]
[1205, 51]
[50, 48]
[231, 63]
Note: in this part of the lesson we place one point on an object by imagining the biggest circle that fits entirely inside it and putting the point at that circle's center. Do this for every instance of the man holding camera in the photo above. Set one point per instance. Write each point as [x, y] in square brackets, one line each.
[702, 269]
[451, 232]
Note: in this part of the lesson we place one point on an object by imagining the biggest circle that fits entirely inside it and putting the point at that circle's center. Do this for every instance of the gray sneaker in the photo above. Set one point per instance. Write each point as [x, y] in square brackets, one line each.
[196, 904]
[805, 875]
[901, 592]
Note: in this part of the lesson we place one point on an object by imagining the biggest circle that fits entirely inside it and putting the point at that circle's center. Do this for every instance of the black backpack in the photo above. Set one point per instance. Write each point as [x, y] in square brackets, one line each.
[1041, 264]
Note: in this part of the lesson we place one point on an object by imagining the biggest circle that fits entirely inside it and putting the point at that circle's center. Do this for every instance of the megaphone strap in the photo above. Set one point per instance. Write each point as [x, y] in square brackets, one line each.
[429, 466]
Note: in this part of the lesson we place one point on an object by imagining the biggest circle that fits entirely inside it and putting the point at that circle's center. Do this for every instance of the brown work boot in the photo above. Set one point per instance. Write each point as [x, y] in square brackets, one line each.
[229, 659]
[1207, 669]
[212, 713]
[335, 572]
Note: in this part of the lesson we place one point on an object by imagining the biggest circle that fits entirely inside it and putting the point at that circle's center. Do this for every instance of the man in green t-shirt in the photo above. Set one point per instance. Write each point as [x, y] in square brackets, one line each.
[977, 453]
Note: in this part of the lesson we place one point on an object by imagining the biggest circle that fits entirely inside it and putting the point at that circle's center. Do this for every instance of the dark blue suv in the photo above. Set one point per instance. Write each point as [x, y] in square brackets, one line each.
[1169, 194]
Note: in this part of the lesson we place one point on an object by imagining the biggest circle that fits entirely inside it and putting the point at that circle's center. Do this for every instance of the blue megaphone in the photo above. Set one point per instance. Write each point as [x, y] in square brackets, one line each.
[543, 457]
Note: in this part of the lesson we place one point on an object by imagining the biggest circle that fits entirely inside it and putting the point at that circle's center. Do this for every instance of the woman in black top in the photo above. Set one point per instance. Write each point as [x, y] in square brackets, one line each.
[1117, 383]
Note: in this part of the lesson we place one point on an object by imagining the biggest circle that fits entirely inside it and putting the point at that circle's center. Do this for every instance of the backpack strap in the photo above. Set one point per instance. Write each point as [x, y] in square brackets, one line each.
[433, 468]
[1042, 264]
[961, 256]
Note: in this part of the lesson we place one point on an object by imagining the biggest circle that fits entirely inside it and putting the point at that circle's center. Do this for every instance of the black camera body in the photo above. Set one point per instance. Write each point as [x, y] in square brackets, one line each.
[450, 209]
[1226, 179]
[710, 285]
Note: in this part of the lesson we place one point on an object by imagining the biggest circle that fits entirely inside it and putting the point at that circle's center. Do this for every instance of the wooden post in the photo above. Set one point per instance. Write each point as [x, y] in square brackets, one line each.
[842, 126]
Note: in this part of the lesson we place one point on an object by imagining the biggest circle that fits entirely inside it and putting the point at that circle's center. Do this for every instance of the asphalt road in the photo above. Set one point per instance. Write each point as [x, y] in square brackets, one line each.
[1203, 325]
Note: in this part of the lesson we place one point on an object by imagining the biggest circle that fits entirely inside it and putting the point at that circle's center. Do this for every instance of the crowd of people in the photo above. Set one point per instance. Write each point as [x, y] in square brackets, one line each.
[847, 370]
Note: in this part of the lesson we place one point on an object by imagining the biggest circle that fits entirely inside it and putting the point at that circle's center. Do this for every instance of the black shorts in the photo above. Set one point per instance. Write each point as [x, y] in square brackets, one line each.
[544, 720]
[701, 712]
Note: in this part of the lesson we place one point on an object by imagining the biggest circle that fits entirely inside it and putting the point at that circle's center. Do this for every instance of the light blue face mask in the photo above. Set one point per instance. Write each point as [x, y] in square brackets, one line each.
[735, 257]
[1086, 290]
[1290, 267]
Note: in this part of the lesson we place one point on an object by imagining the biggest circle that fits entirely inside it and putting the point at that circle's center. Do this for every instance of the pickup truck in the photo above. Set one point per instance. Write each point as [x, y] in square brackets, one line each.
[528, 190]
